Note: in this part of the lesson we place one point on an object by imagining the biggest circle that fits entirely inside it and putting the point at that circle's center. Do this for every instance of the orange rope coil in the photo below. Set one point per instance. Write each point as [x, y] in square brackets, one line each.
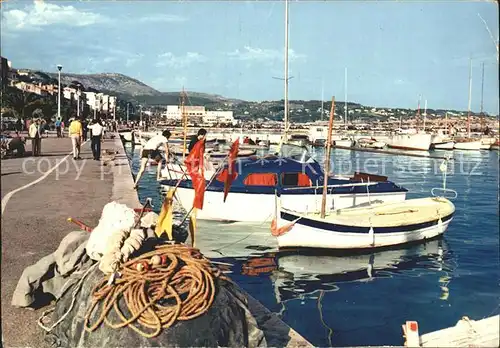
[171, 283]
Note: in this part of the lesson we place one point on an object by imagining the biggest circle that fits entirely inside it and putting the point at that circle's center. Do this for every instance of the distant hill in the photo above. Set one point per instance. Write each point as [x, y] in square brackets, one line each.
[108, 82]
[130, 89]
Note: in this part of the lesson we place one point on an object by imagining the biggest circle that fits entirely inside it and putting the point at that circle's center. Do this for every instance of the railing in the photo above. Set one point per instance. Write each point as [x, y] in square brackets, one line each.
[329, 186]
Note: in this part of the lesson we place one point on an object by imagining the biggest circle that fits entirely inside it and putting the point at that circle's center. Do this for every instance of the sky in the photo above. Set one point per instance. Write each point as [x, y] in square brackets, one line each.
[394, 51]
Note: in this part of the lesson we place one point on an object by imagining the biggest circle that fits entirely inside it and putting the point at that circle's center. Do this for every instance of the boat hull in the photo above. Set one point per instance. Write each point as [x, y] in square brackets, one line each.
[468, 145]
[345, 143]
[448, 145]
[418, 142]
[311, 233]
[371, 144]
[258, 207]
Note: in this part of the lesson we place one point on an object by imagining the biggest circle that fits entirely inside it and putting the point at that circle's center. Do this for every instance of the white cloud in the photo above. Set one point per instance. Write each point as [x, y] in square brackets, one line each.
[166, 18]
[42, 14]
[177, 62]
[263, 54]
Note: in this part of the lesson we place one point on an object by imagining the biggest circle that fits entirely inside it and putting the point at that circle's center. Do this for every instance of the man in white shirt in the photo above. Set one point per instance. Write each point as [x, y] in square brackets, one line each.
[96, 136]
[36, 138]
[151, 150]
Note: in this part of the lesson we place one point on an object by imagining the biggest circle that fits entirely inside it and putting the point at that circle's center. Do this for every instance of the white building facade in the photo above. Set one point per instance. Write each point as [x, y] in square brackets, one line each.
[198, 113]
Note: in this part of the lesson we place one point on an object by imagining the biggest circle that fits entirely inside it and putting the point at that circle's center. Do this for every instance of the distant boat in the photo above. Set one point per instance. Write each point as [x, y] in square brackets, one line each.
[343, 143]
[444, 145]
[411, 139]
[468, 143]
[415, 141]
[370, 143]
[372, 226]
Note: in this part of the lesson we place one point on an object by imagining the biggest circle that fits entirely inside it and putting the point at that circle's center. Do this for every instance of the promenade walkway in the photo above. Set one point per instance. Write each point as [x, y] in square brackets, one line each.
[34, 218]
[38, 195]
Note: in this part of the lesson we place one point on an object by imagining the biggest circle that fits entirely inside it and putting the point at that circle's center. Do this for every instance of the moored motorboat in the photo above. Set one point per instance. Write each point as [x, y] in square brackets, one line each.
[343, 143]
[372, 226]
[467, 144]
[370, 143]
[294, 177]
[415, 141]
[445, 145]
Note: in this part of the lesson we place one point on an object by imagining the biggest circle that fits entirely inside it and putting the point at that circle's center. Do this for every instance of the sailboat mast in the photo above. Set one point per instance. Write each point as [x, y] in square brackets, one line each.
[482, 88]
[286, 71]
[184, 119]
[482, 97]
[470, 96]
[446, 123]
[418, 112]
[322, 98]
[345, 99]
[327, 159]
[425, 113]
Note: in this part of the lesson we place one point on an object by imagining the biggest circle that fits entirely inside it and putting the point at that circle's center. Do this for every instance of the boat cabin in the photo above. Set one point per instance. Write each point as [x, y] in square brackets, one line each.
[291, 176]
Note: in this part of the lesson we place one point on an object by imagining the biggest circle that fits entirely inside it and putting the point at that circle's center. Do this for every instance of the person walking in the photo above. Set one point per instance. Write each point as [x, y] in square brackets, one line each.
[95, 137]
[36, 138]
[151, 150]
[58, 127]
[84, 129]
[76, 133]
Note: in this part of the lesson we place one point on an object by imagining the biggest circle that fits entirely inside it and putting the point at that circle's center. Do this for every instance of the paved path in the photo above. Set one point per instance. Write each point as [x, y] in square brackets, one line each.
[34, 220]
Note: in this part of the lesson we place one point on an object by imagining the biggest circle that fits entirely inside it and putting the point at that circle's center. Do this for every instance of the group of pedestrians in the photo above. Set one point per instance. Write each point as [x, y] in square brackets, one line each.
[78, 130]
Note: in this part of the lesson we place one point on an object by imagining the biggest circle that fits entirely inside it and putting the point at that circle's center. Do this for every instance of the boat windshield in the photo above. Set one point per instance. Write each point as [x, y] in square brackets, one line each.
[298, 153]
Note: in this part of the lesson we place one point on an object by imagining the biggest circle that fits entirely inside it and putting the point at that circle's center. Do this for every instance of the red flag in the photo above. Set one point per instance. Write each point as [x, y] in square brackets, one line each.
[231, 167]
[195, 169]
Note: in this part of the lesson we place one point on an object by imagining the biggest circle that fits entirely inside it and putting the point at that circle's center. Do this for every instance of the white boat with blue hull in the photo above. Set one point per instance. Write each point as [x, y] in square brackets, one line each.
[296, 179]
[378, 225]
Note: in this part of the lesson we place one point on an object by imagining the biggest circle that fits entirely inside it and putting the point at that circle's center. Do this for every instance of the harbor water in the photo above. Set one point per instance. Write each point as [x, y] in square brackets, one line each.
[355, 299]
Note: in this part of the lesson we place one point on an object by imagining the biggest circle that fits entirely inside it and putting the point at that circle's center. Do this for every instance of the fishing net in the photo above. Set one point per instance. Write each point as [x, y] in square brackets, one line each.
[167, 296]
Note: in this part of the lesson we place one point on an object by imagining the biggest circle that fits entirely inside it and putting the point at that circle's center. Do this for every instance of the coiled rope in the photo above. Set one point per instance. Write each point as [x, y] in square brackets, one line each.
[169, 284]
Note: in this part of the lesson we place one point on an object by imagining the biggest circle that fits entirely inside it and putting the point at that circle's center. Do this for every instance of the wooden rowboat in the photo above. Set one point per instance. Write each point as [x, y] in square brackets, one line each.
[371, 226]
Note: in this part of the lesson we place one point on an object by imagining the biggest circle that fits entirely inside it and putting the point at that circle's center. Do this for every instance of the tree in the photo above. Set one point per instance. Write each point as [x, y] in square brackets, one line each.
[18, 100]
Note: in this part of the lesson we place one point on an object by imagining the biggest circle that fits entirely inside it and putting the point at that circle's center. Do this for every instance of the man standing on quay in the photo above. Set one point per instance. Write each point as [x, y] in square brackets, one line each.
[75, 133]
[36, 138]
[96, 135]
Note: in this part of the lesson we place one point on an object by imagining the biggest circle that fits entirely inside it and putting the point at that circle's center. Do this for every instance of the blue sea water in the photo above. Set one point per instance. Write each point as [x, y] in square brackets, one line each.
[363, 299]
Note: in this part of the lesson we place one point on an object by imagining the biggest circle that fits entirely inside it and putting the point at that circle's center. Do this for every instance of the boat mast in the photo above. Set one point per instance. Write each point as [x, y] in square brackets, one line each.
[470, 96]
[446, 123]
[184, 119]
[345, 98]
[327, 159]
[418, 112]
[286, 72]
[482, 97]
[425, 113]
[322, 98]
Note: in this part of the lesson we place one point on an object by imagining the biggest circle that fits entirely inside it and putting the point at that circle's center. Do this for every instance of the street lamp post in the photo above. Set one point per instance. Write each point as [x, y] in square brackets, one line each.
[59, 67]
[78, 103]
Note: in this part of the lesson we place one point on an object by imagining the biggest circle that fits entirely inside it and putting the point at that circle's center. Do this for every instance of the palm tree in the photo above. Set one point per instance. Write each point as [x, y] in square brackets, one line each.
[19, 100]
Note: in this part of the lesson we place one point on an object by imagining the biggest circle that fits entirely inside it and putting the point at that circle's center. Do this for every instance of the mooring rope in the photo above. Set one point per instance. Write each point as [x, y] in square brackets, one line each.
[169, 284]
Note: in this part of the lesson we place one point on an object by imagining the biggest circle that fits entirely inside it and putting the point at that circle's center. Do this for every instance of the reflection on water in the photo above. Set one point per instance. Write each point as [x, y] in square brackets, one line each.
[360, 299]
